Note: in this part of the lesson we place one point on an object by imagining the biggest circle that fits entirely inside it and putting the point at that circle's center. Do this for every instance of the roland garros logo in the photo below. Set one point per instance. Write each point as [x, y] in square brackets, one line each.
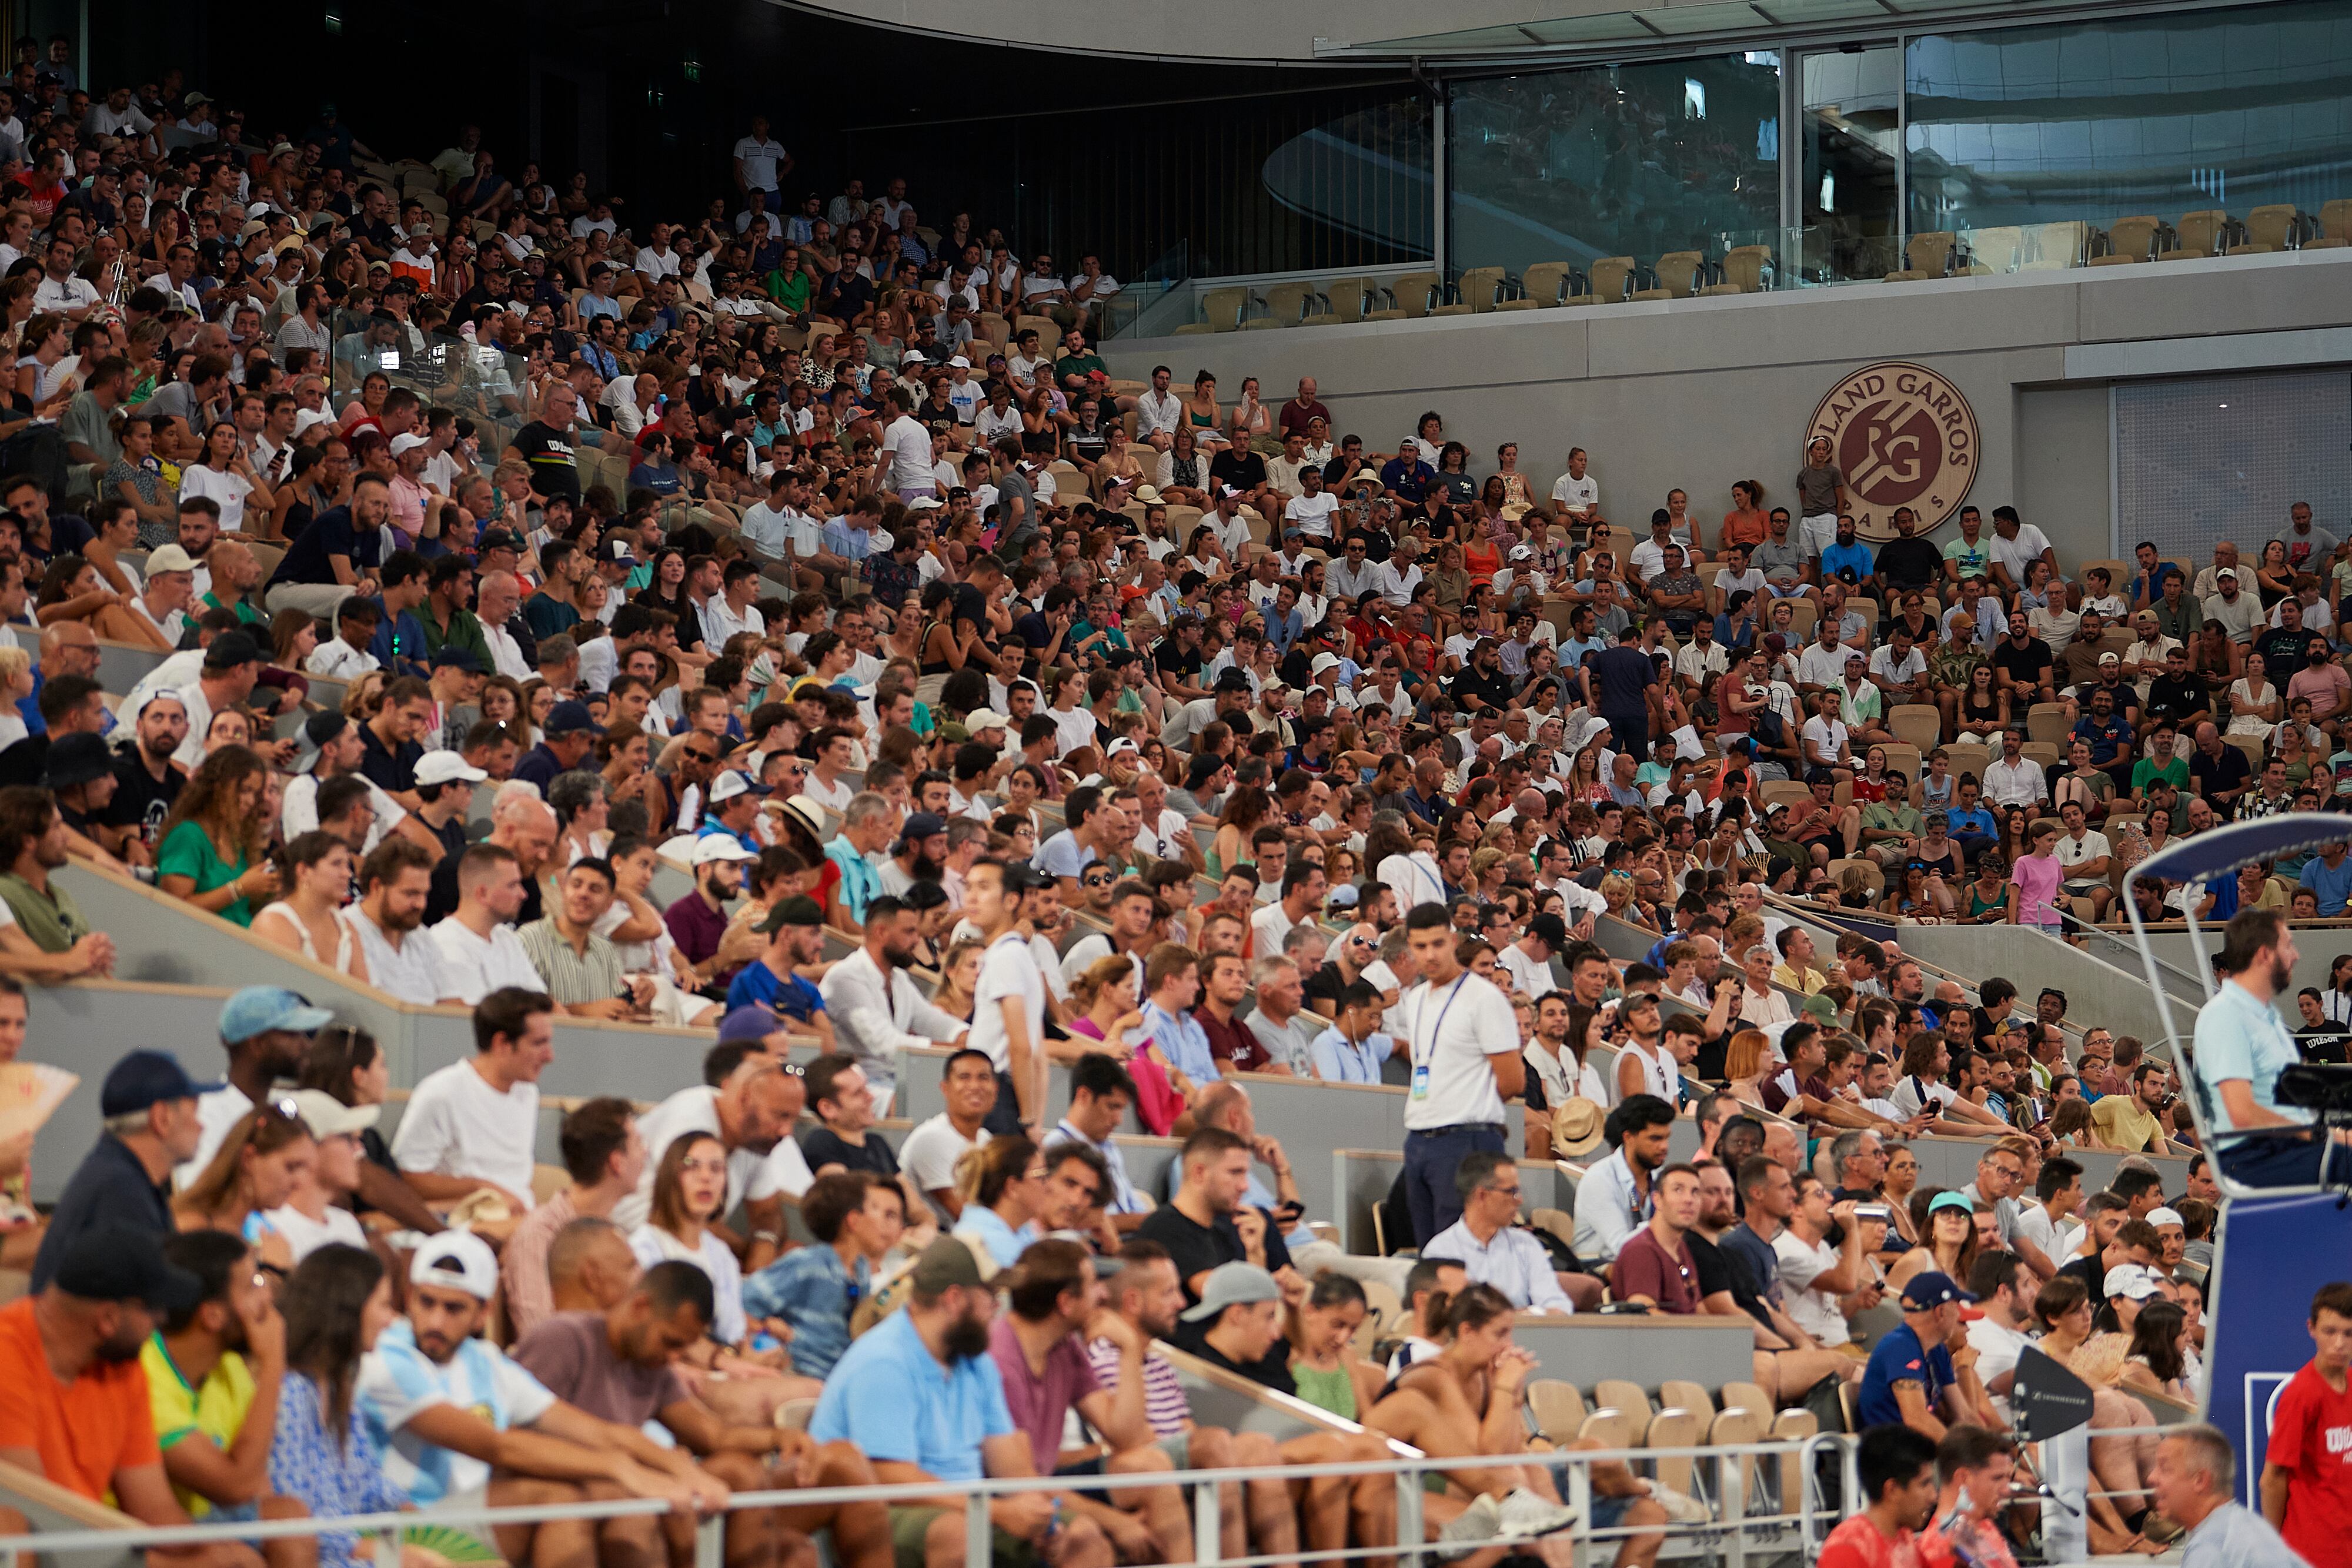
[1903, 436]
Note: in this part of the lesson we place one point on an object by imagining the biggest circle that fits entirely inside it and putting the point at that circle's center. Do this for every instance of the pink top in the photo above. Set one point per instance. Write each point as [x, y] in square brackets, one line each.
[2037, 878]
[1157, 1104]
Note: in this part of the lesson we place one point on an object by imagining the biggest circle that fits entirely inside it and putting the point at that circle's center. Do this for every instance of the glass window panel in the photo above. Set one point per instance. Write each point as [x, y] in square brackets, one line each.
[1607, 161]
[2156, 114]
[1852, 106]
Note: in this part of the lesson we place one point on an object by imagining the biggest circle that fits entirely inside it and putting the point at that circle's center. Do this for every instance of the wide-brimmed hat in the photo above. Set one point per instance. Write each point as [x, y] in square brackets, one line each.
[1576, 1127]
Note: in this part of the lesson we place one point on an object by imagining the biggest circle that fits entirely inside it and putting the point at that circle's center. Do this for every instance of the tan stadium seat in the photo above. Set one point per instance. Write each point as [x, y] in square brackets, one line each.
[1045, 327]
[2132, 240]
[1683, 1393]
[2334, 227]
[2253, 745]
[2047, 721]
[1557, 1407]
[1744, 268]
[1680, 274]
[1678, 1426]
[1746, 1397]
[2200, 234]
[1416, 293]
[1967, 758]
[1611, 1427]
[1782, 792]
[1874, 875]
[1613, 279]
[993, 327]
[1927, 255]
[1903, 758]
[2270, 229]
[1793, 1427]
[1450, 301]
[1481, 289]
[1286, 305]
[1222, 310]
[1358, 299]
[1632, 1404]
[1731, 1428]
[2051, 247]
[1542, 286]
[1994, 250]
[1919, 725]
[2045, 752]
[1803, 616]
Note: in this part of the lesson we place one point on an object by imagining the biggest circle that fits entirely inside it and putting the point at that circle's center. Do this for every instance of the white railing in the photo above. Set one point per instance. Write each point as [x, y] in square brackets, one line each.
[1727, 1533]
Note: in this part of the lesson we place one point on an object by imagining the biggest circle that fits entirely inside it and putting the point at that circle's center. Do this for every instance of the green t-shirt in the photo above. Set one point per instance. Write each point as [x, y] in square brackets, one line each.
[789, 290]
[2145, 773]
[187, 851]
[245, 612]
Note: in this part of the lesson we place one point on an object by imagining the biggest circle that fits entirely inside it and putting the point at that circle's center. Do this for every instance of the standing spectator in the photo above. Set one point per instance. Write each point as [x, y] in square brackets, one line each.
[472, 1126]
[761, 161]
[148, 1106]
[2305, 1489]
[875, 1009]
[1464, 1046]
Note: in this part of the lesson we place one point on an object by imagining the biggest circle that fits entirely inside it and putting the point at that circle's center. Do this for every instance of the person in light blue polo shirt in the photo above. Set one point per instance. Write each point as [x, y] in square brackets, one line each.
[2328, 874]
[923, 1400]
[1172, 975]
[1353, 1049]
[2241, 1047]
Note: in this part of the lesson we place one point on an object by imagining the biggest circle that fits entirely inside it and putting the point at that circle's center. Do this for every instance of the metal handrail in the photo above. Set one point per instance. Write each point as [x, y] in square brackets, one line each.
[1409, 1472]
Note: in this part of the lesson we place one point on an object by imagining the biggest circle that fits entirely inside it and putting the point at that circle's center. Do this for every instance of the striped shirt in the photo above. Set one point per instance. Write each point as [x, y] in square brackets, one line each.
[573, 977]
[1164, 1405]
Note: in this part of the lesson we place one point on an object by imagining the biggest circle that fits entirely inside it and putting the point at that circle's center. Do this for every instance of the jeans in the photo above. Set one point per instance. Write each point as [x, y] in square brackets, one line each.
[1431, 1158]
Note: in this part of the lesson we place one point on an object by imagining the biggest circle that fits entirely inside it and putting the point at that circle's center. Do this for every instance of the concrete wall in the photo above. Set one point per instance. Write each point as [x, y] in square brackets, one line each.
[2097, 991]
[1700, 393]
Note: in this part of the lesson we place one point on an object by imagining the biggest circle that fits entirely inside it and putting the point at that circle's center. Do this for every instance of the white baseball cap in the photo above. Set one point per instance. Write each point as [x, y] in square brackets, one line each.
[719, 847]
[456, 1260]
[730, 784]
[443, 767]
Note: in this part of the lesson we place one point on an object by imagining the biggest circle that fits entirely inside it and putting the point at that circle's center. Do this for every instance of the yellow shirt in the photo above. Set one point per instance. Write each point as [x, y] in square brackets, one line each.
[1810, 983]
[2125, 1123]
[217, 1409]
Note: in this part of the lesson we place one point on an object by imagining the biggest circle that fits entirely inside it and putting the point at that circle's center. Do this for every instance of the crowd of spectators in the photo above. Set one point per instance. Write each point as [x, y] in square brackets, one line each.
[1163, 739]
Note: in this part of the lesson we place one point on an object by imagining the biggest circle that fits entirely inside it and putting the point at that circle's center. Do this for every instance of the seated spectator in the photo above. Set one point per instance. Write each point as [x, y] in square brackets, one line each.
[934, 1149]
[1922, 1372]
[1441, 1406]
[750, 1104]
[795, 931]
[1897, 1467]
[73, 1399]
[1207, 1224]
[472, 1126]
[455, 1419]
[1003, 1185]
[1101, 1094]
[148, 1108]
[45, 936]
[1141, 1305]
[1824, 1286]
[580, 970]
[317, 1207]
[1614, 1196]
[921, 1396]
[480, 950]
[402, 960]
[214, 1370]
[857, 1220]
[1041, 1358]
[210, 855]
[603, 1153]
[845, 1137]
[251, 1172]
[618, 1365]
[1492, 1248]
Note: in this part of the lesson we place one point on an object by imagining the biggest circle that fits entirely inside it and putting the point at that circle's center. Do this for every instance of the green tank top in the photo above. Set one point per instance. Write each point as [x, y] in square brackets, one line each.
[1334, 1390]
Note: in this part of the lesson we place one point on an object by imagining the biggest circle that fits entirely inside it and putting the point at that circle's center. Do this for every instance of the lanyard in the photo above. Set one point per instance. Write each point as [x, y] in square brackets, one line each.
[1422, 1011]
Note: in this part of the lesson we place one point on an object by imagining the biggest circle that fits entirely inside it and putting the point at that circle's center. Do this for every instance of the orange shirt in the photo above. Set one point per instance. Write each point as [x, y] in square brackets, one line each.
[84, 1433]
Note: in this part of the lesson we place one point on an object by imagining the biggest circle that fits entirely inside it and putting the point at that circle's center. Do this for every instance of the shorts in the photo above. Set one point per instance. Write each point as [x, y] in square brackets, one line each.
[909, 1524]
[1177, 1447]
[1817, 533]
[1608, 1512]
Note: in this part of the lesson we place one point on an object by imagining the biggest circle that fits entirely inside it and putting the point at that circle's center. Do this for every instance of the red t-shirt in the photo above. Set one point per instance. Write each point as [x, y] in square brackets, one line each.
[2311, 1440]
[1857, 1544]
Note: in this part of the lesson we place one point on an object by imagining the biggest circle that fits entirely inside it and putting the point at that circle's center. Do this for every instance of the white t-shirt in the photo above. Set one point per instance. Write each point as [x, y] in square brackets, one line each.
[217, 1113]
[1816, 1311]
[1311, 514]
[1534, 979]
[1996, 1349]
[2034, 1224]
[456, 1125]
[305, 1235]
[1010, 969]
[1576, 494]
[760, 160]
[1450, 1027]
[750, 1174]
[930, 1152]
[474, 967]
[2093, 845]
[907, 448]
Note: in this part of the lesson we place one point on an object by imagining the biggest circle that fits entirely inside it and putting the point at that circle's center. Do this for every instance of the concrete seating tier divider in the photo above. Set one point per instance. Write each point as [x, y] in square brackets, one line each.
[160, 938]
[49, 1509]
[1227, 1399]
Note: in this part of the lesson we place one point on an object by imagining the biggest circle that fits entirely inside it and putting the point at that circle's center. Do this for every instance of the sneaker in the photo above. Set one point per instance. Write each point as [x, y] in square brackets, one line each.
[1681, 1507]
[1474, 1528]
[1524, 1516]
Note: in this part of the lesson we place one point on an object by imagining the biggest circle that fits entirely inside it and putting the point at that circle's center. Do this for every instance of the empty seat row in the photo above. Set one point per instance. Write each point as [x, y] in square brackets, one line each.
[1620, 1415]
[2196, 236]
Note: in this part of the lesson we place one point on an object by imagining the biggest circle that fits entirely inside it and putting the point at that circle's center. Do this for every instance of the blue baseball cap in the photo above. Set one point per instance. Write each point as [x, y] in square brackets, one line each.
[571, 718]
[145, 1078]
[1932, 1289]
[262, 1009]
